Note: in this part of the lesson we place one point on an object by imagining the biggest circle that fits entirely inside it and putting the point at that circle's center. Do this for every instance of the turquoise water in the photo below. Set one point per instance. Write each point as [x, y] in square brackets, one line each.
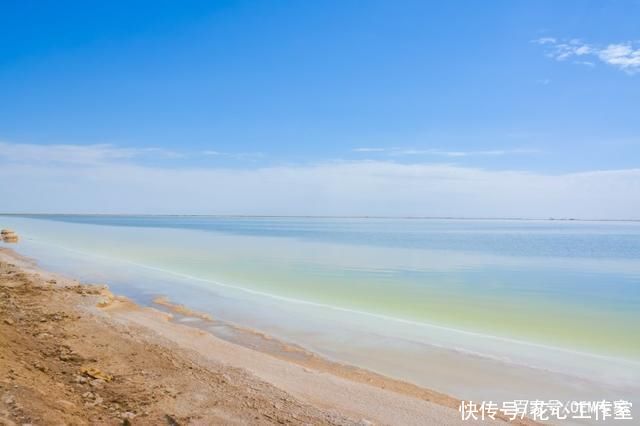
[573, 284]
[569, 285]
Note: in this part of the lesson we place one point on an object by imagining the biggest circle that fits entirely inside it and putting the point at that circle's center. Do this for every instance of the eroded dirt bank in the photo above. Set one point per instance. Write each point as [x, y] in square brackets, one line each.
[63, 364]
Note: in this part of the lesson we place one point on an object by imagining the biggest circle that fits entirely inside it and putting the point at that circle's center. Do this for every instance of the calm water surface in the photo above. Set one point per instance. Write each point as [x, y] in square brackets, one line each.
[569, 285]
[574, 284]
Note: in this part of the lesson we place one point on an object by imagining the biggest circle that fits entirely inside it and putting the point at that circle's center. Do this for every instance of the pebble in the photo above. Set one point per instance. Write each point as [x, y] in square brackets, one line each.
[97, 383]
[63, 403]
[80, 379]
[128, 415]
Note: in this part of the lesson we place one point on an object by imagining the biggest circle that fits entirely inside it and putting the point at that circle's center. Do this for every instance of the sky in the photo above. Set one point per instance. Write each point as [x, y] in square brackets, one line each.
[396, 108]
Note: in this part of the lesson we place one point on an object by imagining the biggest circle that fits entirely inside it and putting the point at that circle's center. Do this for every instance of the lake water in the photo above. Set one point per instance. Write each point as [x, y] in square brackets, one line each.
[392, 295]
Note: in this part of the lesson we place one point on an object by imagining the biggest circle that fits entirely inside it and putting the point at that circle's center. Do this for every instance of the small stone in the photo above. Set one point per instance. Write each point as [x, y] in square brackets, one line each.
[128, 415]
[80, 379]
[97, 383]
[63, 403]
[8, 321]
[96, 374]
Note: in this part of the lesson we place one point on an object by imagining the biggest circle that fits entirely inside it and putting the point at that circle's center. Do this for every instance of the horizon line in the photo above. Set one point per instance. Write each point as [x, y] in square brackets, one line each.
[551, 218]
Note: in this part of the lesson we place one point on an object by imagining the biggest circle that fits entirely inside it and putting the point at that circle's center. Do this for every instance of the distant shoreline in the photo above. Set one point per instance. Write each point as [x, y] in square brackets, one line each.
[248, 216]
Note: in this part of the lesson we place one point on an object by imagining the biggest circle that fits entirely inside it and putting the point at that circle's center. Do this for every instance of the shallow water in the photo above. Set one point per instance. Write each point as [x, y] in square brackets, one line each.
[563, 296]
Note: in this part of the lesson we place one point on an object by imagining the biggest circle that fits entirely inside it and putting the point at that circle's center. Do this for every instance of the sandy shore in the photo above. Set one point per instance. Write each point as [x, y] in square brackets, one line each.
[76, 354]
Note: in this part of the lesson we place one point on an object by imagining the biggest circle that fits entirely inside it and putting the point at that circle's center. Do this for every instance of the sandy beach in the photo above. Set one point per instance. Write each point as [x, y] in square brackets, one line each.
[74, 353]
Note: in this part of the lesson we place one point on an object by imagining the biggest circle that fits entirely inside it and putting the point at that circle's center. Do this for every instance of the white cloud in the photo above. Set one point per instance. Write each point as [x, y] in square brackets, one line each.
[545, 40]
[369, 150]
[586, 63]
[459, 153]
[444, 153]
[336, 188]
[624, 56]
[96, 154]
[234, 155]
[77, 154]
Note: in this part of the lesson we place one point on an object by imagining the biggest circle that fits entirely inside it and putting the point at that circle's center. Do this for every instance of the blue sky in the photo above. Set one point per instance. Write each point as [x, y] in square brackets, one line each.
[537, 88]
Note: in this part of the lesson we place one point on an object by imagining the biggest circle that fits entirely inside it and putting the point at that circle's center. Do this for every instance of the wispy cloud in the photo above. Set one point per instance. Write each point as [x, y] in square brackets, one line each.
[77, 154]
[369, 149]
[485, 153]
[624, 56]
[96, 154]
[337, 188]
[104, 179]
[445, 153]
[234, 155]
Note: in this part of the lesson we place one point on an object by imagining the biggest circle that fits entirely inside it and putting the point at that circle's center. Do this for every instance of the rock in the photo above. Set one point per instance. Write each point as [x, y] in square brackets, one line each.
[63, 403]
[171, 421]
[80, 379]
[128, 415]
[105, 302]
[8, 321]
[97, 383]
[8, 236]
[96, 374]
[70, 356]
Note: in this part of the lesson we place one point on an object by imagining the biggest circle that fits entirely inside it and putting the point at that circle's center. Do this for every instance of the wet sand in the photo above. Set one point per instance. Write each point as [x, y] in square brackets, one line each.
[73, 353]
